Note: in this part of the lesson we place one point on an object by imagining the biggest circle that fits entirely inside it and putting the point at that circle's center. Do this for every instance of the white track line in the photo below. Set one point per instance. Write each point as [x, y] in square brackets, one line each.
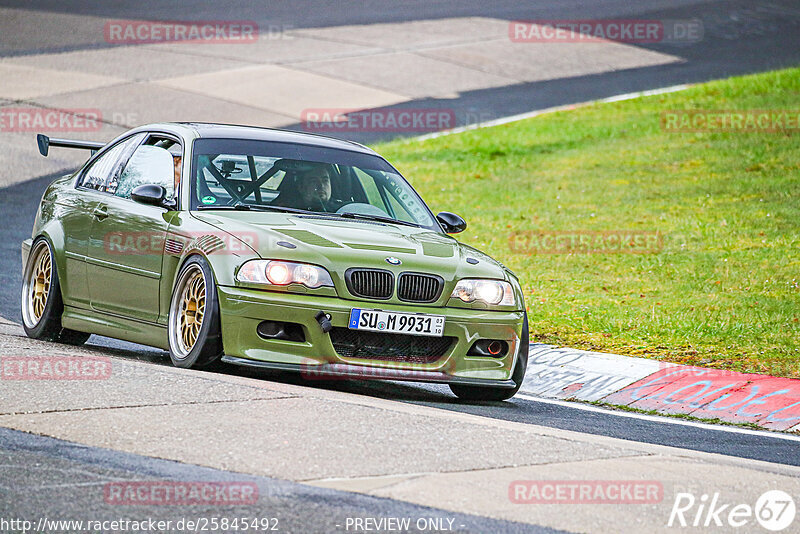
[659, 419]
[529, 114]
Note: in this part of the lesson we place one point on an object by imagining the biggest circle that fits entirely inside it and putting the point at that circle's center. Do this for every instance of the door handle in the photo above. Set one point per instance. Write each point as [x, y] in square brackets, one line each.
[100, 213]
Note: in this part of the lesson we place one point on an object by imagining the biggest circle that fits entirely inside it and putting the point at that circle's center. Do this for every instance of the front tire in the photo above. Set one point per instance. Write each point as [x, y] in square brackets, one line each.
[42, 304]
[480, 393]
[193, 326]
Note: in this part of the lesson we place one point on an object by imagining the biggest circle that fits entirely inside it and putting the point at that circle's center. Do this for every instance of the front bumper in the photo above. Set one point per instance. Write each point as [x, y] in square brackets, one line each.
[243, 309]
[26, 251]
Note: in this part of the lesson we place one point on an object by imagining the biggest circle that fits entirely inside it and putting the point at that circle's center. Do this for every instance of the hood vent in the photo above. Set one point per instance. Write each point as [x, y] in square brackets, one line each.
[382, 248]
[310, 238]
[437, 250]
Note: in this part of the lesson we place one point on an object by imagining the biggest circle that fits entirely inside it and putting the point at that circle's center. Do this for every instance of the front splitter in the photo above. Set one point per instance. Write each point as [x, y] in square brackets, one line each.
[361, 372]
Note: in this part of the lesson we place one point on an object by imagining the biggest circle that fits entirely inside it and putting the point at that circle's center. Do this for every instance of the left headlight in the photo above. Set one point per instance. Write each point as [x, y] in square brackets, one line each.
[494, 292]
[283, 273]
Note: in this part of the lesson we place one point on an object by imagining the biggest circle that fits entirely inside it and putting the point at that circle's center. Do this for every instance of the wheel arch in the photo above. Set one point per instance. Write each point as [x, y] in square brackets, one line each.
[53, 233]
[222, 270]
[208, 331]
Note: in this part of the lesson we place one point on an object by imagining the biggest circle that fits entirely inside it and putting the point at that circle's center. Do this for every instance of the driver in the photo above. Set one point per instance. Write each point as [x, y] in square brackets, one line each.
[313, 191]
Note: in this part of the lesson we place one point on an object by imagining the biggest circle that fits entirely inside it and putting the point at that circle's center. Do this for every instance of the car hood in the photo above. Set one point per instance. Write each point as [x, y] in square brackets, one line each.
[338, 244]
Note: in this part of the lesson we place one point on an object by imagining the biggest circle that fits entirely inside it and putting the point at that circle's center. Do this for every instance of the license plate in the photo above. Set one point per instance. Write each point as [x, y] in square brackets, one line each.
[417, 324]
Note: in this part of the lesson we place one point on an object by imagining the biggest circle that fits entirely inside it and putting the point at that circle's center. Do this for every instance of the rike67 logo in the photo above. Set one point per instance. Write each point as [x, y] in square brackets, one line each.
[774, 510]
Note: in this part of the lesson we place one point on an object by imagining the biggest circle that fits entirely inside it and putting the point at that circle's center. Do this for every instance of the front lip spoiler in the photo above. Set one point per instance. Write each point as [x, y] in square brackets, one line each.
[362, 372]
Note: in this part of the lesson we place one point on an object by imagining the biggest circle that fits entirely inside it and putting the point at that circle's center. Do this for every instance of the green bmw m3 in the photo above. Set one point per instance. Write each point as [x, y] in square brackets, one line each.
[272, 249]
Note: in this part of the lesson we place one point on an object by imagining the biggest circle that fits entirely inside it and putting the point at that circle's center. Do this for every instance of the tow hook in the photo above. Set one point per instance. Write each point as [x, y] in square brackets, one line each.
[324, 320]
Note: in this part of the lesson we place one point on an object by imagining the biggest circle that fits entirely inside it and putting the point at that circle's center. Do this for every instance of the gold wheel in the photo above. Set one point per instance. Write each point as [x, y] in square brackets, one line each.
[188, 310]
[193, 304]
[37, 285]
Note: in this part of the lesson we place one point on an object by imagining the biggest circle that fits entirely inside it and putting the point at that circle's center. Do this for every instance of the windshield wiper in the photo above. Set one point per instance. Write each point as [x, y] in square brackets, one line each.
[242, 206]
[201, 208]
[350, 215]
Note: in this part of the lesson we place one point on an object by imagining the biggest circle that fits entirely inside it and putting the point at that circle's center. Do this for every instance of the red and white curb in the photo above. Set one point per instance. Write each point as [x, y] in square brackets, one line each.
[561, 373]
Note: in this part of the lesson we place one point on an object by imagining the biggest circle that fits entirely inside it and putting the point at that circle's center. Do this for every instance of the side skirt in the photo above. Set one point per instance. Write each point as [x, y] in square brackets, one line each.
[109, 325]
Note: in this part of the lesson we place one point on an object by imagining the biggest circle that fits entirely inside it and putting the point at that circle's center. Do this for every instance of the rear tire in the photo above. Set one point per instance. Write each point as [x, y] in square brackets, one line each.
[42, 304]
[489, 393]
[193, 327]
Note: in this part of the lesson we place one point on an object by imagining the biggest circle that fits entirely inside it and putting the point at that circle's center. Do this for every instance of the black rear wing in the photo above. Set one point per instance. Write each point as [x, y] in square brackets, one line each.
[45, 143]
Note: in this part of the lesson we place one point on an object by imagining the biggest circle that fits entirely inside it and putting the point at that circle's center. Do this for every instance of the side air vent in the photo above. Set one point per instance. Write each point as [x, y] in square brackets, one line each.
[173, 247]
[209, 243]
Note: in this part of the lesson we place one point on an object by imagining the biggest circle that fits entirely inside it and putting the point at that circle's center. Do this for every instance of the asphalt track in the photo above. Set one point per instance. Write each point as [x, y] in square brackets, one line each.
[33, 467]
[727, 440]
[49, 478]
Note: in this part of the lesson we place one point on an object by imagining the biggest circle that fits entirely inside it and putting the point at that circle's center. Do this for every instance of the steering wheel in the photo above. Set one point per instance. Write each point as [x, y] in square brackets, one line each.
[362, 208]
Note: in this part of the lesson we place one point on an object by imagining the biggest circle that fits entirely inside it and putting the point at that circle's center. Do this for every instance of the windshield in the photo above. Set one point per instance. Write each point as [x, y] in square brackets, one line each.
[255, 175]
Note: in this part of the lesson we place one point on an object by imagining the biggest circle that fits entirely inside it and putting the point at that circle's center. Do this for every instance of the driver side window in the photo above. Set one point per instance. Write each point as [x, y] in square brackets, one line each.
[148, 165]
[104, 170]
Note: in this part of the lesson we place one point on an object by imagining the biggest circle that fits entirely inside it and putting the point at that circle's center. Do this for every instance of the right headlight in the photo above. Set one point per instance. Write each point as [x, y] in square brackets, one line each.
[282, 273]
[493, 292]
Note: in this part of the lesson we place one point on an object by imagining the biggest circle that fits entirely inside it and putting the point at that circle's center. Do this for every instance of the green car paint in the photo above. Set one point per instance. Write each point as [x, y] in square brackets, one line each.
[116, 286]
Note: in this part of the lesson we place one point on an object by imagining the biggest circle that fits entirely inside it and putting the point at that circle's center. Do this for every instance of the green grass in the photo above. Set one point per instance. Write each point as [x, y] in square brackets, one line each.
[724, 291]
[684, 416]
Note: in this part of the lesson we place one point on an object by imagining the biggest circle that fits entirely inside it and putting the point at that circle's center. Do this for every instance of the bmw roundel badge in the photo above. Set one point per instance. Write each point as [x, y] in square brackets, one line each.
[394, 261]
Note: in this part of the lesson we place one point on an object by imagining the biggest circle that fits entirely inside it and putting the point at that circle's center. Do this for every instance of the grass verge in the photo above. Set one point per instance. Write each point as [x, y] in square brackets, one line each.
[683, 416]
[722, 286]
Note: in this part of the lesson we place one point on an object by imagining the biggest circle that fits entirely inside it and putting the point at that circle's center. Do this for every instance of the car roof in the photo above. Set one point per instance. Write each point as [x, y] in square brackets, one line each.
[255, 133]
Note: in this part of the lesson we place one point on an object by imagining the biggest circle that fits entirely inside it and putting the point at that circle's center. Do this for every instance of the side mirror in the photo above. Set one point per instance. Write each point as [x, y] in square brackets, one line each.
[44, 144]
[451, 223]
[152, 194]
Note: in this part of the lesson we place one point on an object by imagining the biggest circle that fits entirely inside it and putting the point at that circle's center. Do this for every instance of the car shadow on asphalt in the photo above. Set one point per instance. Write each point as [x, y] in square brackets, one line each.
[428, 394]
